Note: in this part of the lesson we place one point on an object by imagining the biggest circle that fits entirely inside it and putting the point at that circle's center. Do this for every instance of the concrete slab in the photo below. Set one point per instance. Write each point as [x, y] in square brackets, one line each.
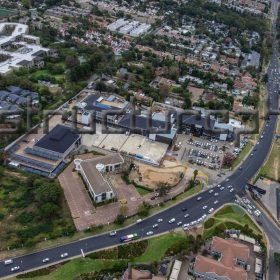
[115, 141]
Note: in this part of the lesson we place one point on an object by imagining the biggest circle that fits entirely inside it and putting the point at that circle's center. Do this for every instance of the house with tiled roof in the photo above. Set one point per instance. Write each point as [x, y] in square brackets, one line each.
[228, 260]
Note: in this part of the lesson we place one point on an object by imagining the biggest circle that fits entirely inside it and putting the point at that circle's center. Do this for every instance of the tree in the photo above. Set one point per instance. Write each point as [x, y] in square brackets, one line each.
[277, 258]
[195, 173]
[123, 210]
[163, 188]
[163, 91]
[120, 219]
[143, 210]
[48, 209]
[71, 61]
[47, 192]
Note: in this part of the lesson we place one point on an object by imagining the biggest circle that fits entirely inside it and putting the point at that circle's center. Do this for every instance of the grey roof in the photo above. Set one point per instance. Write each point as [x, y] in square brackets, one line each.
[21, 101]
[140, 123]
[12, 98]
[194, 120]
[4, 96]
[93, 105]
[14, 89]
[97, 181]
[59, 139]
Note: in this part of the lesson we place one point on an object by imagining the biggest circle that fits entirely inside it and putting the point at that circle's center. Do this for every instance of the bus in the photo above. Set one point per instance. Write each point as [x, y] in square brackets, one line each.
[129, 237]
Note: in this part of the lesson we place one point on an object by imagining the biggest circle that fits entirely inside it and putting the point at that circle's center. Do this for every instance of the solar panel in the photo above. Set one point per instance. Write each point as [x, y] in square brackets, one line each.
[59, 134]
[31, 161]
[46, 155]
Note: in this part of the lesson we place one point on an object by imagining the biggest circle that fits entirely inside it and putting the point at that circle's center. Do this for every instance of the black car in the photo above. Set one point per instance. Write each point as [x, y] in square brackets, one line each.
[184, 209]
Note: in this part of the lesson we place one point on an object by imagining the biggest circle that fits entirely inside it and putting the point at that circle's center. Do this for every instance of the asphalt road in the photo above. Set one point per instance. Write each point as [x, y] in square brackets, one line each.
[194, 207]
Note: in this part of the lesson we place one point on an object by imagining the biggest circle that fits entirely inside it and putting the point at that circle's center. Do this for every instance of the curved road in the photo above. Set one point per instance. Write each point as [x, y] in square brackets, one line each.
[194, 207]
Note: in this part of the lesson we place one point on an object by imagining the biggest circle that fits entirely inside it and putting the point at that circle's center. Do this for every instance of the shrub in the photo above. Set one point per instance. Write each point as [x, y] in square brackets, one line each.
[209, 223]
[120, 219]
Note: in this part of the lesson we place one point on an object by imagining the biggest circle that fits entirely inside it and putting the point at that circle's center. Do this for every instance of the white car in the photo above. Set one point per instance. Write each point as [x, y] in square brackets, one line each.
[64, 255]
[155, 225]
[46, 260]
[231, 190]
[186, 215]
[179, 223]
[222, 188]
[211, 191]
[185, 225]
[227, 179]
[204, 207]
[15, 268]
[211, 210]
[216, 202]
[159, 220]
[229, 187]
[257, 213]
[149, 233]
[172, 221]
[249, 211]
[216, 194]
[199, 198]
[113, 233]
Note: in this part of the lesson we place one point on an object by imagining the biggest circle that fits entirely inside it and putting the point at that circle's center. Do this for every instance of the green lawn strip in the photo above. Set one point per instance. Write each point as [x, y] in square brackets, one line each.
[158, 246]
[268, 170]
[243, 154]
[155, 251]
[142, 191]
[231, 217]
[74, 268]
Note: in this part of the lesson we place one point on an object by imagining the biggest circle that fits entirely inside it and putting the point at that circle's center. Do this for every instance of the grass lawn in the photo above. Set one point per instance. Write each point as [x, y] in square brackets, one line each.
[74, 268]
[155, 251]
[142, 191]
[271, 169]
[231, 215]
[243, 154]
[45, 72]
[158, 246]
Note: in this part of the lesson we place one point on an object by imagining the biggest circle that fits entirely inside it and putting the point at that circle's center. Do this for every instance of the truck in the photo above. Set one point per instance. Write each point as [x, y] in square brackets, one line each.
[129, 237]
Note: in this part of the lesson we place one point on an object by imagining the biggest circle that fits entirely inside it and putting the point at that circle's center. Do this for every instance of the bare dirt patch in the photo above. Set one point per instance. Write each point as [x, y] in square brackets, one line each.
[171, 173]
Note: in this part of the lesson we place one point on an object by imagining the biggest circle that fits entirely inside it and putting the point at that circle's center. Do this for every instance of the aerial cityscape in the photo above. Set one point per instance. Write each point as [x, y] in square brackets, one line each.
[139, 139]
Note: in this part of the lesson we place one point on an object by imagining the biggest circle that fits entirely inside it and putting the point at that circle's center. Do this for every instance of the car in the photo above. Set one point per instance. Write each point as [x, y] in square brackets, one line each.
[216, 194]
[240, 168]
[229, 187]
[15, 268]
[211, 191]
[113, 233]
[251, 154]
[204, 207]
[199, 198]
[249, 211]
[231, 190]
[227, 179]
[259, 222]
[216, 202]
[184, 209]
[185, 225]
[64, 255]
[179, 223]
[46, 260]
[211, 210]
[155, 225]
[186, 215]
[257, 213]
[149, 233]
[222, 188]
[172, 221]
[159, 220]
